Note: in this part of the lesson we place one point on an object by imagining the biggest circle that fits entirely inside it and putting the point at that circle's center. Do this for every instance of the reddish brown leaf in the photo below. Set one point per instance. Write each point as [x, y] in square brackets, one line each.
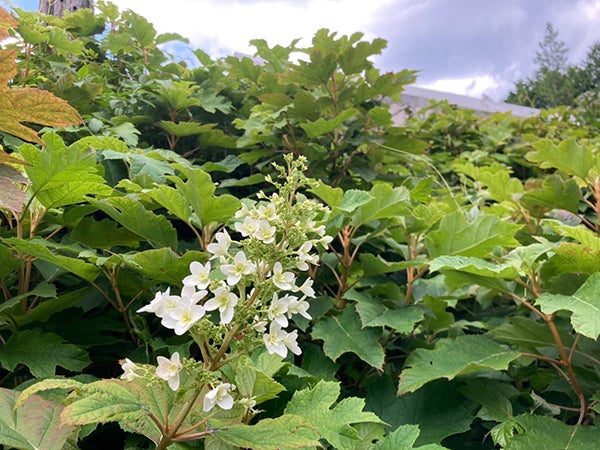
[6, 21]
[8, 68]
[11, 195]
[34, 106]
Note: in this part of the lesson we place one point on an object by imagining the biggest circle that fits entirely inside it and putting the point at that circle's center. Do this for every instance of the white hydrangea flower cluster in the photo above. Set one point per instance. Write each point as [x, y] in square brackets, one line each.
[256, 283]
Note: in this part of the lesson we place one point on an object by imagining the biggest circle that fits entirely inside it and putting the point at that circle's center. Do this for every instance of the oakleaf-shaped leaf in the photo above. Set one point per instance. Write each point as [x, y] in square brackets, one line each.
[287, 431]
[456, 236]
[584, 304]
[323, 126]
[403, 438]
[374, 313]
[32, 105]
[453, 357]
[199, 191]
[34, 425]
[62, 175]
[541, 432]
[42, 352]
[387, 202]
[181, 129]
[501, 186]
[333, 422]
[345, 333]
[567, 156]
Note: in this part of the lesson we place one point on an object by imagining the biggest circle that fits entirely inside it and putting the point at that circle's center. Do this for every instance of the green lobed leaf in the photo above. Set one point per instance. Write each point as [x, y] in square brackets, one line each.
[456, 236]
[567, 156]
[438, 408]
[493, 396]
[253, 383]
[451, 358]
[374, 313]
[287, 431]
[35, 424]
[181, 129]
[62, 175]
[542, 432]
[404, 438]
[388, 202]
[584, 304]
[501, 186]
[42, 353]
[323, 126]
[199, 190]
[554, 193]
[330, 195]
[345, 333]
[316, 405]
[352, 199]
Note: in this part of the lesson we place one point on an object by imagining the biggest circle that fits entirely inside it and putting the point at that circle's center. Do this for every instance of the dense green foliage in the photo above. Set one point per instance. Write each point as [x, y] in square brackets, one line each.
[456, 306]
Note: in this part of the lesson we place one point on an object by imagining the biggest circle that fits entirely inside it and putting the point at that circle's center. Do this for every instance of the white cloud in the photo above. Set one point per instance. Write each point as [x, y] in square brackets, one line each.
[223, 27]
[475, 86]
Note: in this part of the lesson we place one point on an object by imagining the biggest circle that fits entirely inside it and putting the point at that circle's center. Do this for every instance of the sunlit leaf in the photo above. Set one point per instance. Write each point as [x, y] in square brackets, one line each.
[567, 156]
[456, 236]
[584, 304]
[34, 425]
[62, 175]
[320, 407]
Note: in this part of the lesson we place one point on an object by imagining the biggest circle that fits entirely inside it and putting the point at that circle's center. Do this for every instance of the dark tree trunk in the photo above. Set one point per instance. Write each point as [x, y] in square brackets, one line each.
[58, 7]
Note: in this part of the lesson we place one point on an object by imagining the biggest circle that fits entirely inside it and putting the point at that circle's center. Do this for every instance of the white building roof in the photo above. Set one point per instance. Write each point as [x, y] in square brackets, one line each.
[415, 97]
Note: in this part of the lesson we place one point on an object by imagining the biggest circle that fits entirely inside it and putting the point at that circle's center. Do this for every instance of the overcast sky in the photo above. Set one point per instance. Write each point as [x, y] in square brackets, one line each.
[473, 47]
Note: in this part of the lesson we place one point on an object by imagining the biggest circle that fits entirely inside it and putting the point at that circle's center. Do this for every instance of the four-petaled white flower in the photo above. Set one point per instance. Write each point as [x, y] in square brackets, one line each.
[225, 301]
[184, 316]
[241, 266]
[220, 395]
[278, 308]
[305, 257]
[267, 212]
[130, 370]
[296, 306]
[283, 280]
[199, 275]
[220, 249]
[162, 303]
[248, 227]
[265, 232]
[279, 341]
[306, 288]
[168, 370]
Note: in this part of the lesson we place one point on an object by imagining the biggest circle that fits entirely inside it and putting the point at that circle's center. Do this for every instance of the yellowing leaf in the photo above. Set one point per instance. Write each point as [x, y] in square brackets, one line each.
[6, 21]
[35, 424]
[32, 105]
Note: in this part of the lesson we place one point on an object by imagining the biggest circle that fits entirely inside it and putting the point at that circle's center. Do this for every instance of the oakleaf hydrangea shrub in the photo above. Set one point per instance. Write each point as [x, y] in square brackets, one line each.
[256, 278]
